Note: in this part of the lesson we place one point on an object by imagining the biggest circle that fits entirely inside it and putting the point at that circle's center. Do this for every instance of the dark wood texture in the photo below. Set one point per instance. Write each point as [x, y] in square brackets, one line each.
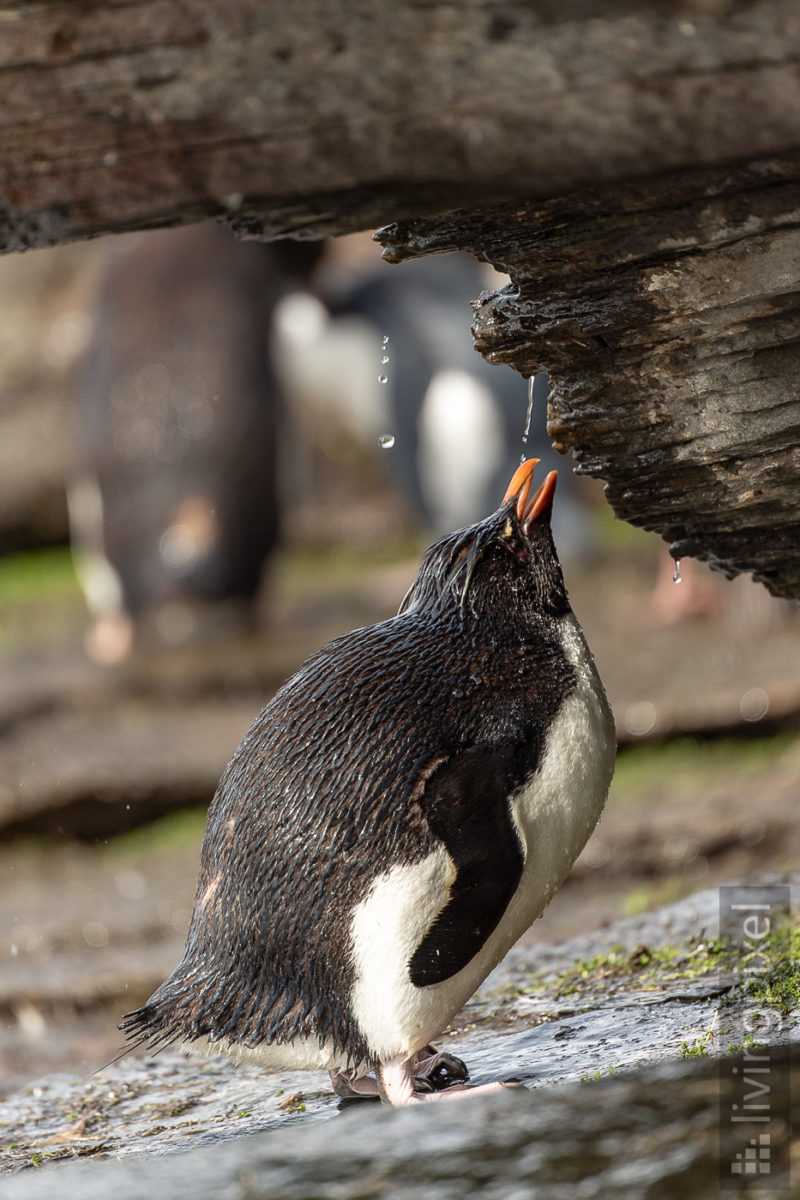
[668, 315]
[318, 117]
[666, 309]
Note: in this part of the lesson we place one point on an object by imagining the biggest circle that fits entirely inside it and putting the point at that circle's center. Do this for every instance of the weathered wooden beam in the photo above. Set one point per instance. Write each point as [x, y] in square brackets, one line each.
[668, 315]
[317, 118]
[666, 310]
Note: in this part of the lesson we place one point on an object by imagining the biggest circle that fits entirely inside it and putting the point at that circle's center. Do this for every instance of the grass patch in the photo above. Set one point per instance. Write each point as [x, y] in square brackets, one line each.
[657, 894]
[688, 765]
[162, 837]
[341, 566]
[698, 1049]
[40, 600]
[37, 575]
[611, 533]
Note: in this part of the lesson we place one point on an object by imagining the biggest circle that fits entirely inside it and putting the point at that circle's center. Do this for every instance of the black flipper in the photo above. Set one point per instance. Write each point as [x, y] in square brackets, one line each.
[467, 805]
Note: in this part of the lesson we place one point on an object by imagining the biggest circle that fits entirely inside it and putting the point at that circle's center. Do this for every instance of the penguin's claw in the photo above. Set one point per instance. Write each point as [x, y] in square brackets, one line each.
[433, 1071]
[429, 1070]
[397, 1083]
[347, 1087]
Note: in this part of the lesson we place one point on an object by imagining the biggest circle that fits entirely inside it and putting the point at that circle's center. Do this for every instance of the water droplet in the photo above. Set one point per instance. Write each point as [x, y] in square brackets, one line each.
[383, 379]
[385, 341]
[676, 574]
[640, 718]
[457, 692]
[754, 704]
[386, 441]
[95, 934]
[528, 415]
[385, 359]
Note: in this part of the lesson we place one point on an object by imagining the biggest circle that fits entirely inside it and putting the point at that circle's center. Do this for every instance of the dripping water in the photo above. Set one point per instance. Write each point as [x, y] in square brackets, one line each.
[528, 416]
[384, 358]
[386, 440]
[676, 575]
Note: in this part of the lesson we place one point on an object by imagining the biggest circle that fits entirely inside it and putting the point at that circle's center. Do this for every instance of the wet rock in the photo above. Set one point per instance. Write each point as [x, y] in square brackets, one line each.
[586, 1053]
[652, 1133]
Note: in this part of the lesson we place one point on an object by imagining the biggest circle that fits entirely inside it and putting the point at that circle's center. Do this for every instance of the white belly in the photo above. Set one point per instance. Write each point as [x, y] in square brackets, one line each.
[554, 816]
[303, 1054]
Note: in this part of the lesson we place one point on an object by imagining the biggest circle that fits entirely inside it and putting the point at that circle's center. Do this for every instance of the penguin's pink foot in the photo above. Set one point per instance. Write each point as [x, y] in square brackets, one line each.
[431, 1071]
[396, 1085]
[348, 1087]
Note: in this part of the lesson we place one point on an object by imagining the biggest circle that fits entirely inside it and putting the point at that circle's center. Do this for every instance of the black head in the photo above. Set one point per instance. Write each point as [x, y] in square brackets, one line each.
[505, 565]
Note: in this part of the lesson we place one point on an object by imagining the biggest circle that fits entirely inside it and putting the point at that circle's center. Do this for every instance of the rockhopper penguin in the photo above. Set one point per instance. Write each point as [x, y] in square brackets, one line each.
[394, 820]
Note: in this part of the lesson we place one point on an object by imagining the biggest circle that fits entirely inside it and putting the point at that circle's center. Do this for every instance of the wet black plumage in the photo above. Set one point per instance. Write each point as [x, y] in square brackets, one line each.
[390, 741]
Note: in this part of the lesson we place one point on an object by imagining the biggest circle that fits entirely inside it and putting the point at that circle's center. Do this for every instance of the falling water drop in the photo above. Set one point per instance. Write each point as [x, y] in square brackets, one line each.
[528, 416]
[676, 575]
[384, 358]
[386, 441]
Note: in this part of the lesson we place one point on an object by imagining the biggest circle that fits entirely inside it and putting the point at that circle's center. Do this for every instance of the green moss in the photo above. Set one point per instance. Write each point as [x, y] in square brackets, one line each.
[778, 986]
[645, 968]
[698, 1049]
[593, 1077]
[746, 1046]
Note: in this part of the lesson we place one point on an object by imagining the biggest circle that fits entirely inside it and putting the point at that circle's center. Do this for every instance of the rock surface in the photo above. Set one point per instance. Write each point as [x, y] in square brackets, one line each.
[236, 1128]
[649, 1134]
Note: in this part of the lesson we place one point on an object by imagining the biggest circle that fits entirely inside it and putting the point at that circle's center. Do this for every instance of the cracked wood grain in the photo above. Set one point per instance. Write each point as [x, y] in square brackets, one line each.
[312, 119]
[668, 315]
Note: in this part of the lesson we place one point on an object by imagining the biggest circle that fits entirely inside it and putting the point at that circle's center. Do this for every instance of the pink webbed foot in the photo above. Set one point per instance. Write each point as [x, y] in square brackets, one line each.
[396, 1084]
[431, 1071]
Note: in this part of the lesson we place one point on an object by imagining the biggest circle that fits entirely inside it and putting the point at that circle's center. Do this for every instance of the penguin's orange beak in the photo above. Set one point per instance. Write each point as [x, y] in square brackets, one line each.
[529, 507]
